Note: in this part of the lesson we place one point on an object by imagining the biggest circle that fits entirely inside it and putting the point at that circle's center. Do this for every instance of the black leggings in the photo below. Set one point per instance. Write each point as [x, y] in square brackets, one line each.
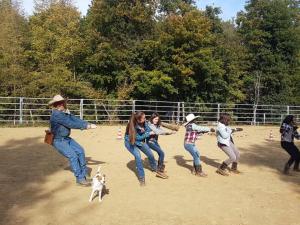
[293, 151]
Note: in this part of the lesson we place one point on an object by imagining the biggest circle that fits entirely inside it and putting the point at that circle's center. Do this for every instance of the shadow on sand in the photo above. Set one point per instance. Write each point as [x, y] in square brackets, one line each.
[24, 167]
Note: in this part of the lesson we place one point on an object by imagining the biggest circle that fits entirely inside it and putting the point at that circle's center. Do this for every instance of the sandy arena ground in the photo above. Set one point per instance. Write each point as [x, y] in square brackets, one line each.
[37, 187]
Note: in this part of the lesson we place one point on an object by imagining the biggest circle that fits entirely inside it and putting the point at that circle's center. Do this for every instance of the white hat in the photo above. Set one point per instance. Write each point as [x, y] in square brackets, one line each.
[56, 98]
[189, 118]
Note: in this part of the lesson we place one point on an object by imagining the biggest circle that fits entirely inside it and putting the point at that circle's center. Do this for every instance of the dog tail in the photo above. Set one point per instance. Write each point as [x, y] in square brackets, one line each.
[98, 171]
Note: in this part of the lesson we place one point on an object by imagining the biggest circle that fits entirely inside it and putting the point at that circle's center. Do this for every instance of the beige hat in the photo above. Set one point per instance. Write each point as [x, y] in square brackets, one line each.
[56, 98]
[189, 118]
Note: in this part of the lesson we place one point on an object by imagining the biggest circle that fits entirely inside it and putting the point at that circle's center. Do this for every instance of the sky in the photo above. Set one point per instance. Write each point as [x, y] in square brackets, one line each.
[229, 7]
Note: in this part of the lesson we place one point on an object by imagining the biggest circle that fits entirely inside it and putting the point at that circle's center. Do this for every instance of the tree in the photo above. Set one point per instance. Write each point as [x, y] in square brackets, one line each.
[112, 29]
[56, 46]
[13, 42]
[270, 30]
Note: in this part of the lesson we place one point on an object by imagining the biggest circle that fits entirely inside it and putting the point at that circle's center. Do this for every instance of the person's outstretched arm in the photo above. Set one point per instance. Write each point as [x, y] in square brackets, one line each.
[200, 129]
[70, 121]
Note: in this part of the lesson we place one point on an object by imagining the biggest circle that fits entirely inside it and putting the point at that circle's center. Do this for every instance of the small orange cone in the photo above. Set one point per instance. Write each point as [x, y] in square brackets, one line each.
[119, 137]
[271, 137]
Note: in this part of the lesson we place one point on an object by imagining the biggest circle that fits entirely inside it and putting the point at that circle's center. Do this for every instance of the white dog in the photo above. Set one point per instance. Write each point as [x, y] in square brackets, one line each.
[97, 185]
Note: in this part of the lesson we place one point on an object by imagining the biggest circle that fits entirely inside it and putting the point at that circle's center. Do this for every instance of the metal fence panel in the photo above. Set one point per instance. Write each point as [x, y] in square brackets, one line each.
[21, 110]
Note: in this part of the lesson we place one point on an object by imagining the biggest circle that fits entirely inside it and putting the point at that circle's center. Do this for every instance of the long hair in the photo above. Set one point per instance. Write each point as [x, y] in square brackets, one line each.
[224, 118]
[288, 119]
[130, 128]
[153, 116]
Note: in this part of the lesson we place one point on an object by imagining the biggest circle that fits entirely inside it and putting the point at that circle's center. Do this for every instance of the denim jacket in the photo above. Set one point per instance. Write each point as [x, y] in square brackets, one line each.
[141, 135]
[62, 123]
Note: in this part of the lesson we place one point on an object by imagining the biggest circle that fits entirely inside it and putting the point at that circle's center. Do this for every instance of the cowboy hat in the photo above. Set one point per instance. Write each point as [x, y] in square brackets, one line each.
[189, 118]
[56, 98]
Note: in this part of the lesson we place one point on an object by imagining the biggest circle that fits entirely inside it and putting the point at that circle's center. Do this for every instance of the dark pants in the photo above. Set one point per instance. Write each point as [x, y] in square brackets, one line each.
[293, 151]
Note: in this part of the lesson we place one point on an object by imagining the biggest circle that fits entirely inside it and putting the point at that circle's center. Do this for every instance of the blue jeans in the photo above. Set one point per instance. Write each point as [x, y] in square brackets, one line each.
[153, 144]
[75, 154]
[192, 149]
[135, 151]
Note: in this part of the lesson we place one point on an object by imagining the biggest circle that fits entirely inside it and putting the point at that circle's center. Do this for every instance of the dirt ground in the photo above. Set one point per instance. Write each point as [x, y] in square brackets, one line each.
[38, 188]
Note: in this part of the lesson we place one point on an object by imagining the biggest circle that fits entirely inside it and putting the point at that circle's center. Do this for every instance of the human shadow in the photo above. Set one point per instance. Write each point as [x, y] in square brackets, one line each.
[269, 155]
[132, 166]
[183, 162]
[89, 161]
[24, 163]
[210, 162]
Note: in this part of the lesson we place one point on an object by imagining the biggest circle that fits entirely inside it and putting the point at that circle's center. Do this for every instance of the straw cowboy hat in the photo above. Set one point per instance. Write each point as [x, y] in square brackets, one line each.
[190, 118]
[57, 98]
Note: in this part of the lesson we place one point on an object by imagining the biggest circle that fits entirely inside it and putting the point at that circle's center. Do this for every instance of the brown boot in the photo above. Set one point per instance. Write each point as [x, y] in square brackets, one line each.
[222, 169]
[161, 171]
[161, 175]
[199, 172]
[161, 167]
[234, 168]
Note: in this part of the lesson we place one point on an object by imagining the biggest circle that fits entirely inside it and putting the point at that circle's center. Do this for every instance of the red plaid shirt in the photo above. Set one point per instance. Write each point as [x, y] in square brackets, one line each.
[190, 135]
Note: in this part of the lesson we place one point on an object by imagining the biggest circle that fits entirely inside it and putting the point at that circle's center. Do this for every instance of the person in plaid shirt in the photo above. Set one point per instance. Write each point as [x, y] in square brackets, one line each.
[192, 133]
[288, 130]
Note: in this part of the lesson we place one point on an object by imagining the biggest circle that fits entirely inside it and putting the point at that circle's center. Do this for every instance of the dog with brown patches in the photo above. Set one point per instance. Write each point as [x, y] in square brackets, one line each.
[98, 183]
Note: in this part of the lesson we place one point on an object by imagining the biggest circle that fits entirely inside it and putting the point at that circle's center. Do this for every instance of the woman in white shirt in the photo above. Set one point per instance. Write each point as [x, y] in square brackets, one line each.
[225, 142]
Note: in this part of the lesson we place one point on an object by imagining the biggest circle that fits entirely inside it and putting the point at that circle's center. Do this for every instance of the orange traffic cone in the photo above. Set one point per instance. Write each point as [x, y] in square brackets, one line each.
[271, 137]
[119, 137]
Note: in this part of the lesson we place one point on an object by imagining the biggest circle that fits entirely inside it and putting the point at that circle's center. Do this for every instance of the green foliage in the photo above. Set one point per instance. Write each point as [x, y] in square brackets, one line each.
[148, 49]
[270, 30]
[13, 43]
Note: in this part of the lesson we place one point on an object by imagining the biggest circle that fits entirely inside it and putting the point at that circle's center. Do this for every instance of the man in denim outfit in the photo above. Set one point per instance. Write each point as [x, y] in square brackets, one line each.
[62, 122]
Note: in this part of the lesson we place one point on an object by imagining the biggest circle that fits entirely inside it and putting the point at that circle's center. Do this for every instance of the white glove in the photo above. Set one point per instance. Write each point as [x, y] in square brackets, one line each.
[92, 126]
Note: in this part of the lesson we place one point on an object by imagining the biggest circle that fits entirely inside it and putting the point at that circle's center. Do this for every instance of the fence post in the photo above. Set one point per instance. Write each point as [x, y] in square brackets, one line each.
[133, 106]
[21, 110]
[183, 112]
[178, 112]
[254, 114]
[96, 112]
[264, 118]
[81, 109]
[218, 113]
[288, 110]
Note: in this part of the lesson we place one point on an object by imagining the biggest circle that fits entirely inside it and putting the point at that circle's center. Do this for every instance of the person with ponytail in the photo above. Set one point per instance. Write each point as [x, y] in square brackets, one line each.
[288, 130]
[137, 132]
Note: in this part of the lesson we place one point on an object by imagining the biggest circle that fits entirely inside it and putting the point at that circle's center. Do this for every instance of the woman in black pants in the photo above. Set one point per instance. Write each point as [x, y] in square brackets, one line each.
[288, 132]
